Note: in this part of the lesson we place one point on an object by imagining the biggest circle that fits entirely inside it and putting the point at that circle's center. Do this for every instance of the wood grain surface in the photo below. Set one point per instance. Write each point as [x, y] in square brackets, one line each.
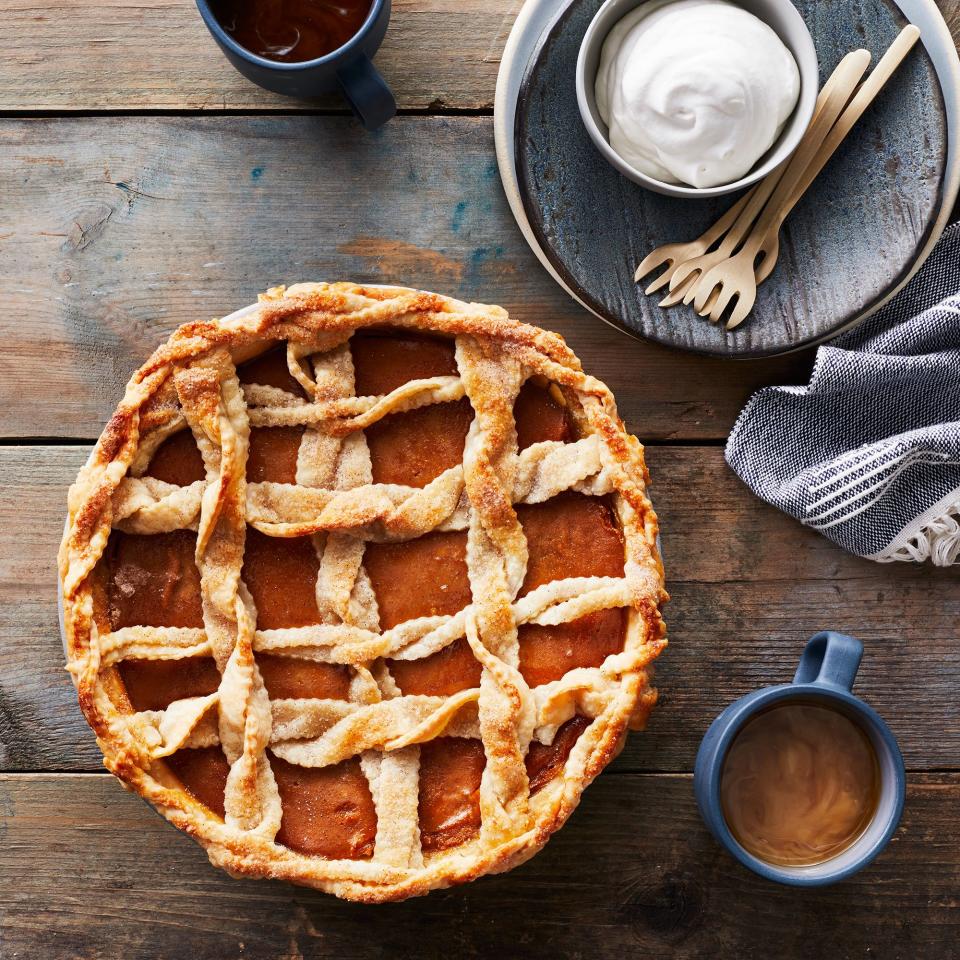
[438, 55]
[121, 229]
[134, 199]
[633, 874]
[73, 55]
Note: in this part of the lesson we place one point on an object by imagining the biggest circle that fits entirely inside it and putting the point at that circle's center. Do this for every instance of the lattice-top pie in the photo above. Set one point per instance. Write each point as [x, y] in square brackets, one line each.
[361, 588]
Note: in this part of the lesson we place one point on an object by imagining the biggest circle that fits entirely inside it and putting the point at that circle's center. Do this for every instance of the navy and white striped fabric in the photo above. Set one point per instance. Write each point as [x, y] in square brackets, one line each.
[868, 453]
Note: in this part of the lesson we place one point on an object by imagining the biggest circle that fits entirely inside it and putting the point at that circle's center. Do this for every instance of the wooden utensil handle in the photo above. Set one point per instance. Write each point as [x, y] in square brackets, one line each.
[836, 93]
[753, 204]
[885, 68]
[712, 234]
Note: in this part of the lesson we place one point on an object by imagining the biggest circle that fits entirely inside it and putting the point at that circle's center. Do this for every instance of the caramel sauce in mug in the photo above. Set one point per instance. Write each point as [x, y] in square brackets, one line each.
[800, 784]
[291, 31]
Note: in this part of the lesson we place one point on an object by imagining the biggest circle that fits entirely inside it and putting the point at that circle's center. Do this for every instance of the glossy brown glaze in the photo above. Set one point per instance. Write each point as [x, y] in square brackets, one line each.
[273, 454]
[296, 679]
[177, 460]
[539, 416]
[415, 447]
[547, 653]
[570, 536]
[387, 359]
[446, 672]
[273, 450]
[426, 577]
[154, 580]
[203, 771]
[155, 684]
[327, 812]
[545, 762]
[270, 370]
[450, 772]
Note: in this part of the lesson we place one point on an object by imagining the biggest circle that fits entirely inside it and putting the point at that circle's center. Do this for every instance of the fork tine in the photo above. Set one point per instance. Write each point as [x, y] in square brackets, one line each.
[681, 273]
[706, 311]
[652, 260]
[742, 309]
[769, 261]
[711, 300]
[691, 290]
[660, 281]
[724, 296]
[708, 282]
[675, 296]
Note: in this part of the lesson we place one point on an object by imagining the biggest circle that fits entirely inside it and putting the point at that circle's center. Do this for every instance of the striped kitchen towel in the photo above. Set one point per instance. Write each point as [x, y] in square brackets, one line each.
[868, 453]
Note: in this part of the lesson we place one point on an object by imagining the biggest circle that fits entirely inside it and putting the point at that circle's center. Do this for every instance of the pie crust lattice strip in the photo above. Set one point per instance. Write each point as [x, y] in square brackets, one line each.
[191, 383]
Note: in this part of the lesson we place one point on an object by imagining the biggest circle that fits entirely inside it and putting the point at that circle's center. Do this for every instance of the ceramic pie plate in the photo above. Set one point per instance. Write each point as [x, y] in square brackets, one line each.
[860, 233]
[618, 696]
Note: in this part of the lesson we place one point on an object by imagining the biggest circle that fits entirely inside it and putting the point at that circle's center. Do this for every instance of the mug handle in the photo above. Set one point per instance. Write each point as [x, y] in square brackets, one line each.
[830, 659]
[367, 92]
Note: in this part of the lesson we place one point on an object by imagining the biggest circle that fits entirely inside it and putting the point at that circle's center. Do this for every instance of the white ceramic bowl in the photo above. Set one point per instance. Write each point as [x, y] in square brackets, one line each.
[786, 22]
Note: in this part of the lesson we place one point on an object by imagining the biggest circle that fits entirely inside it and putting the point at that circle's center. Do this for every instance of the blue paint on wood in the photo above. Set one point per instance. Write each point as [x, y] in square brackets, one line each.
[256, 173]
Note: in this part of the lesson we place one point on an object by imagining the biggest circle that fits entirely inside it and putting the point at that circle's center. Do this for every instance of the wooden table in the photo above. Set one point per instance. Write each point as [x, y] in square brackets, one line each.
[145, 184]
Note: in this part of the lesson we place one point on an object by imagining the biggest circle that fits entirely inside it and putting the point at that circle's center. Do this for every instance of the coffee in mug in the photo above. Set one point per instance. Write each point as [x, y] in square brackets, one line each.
[800, 783]
[291, 31]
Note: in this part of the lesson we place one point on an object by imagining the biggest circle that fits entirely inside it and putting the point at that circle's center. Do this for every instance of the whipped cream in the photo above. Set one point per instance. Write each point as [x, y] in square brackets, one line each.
[694, 91]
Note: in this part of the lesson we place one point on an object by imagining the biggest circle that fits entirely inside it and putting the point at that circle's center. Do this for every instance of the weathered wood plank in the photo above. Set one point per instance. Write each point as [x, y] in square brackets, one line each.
[127, 54]
[119, 229]
[748, 584]
[132, 55]
[91, 871]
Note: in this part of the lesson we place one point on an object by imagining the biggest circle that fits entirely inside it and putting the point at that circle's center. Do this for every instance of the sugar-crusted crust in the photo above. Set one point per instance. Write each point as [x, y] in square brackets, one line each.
[191, 380]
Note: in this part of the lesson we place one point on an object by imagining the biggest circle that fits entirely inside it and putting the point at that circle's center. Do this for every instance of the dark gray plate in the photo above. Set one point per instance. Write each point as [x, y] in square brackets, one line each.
[863, 227]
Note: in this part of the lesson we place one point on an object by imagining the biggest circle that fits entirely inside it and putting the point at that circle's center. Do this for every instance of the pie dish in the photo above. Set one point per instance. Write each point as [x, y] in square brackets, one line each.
[361, 588]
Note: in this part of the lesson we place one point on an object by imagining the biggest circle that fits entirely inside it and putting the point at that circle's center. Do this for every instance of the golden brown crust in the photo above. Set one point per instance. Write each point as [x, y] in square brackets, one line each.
[191, 380]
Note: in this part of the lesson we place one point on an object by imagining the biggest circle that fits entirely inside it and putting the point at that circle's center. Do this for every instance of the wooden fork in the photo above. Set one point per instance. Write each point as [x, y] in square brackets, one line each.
[685, 275]
[738, 277]
[686, 280]
[670, 255]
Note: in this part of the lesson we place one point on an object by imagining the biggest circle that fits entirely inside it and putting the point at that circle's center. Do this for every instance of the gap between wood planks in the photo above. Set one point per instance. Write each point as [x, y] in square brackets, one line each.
[261, 112]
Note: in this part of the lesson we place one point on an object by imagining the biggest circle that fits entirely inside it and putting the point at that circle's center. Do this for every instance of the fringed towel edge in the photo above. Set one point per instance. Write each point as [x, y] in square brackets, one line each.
[933, 536]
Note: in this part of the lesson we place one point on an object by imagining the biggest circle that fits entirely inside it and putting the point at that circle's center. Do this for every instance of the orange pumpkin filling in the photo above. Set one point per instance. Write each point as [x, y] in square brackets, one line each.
[273, 450]
[545, 762]
[203, 772]
[281, 575]
[327, 811]
[415, 447]
[153, 581]
[450, 772]
[177, 460]
[570, 536]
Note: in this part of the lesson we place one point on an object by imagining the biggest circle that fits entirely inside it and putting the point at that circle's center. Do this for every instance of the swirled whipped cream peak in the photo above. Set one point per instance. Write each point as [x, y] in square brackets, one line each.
[694, 91]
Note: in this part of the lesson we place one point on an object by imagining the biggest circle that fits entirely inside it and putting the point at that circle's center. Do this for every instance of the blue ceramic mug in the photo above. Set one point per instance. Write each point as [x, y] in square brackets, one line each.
[826, 673]
[348, 68]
